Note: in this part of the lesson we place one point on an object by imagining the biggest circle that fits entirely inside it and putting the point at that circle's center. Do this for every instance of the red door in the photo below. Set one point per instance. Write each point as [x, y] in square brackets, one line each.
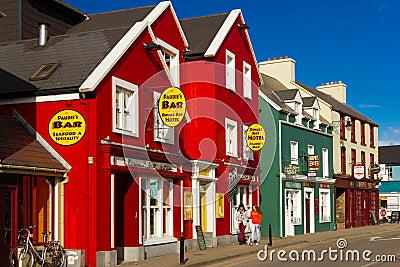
[8, 220]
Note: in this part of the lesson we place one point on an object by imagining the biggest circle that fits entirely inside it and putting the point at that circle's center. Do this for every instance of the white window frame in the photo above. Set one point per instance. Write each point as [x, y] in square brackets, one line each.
[325, 162]
[159, 210]
[247, 80]
[231, 138]
[310, 149]
[162, 133]
[294, 152]
[173, 68]
[242, 192]
[248, 154]
[324, 205]
[295, 207]
[130, 113]
[230, 81]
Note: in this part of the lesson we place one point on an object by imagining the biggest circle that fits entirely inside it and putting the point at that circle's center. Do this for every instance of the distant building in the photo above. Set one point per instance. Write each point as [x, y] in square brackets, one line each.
[389, 161]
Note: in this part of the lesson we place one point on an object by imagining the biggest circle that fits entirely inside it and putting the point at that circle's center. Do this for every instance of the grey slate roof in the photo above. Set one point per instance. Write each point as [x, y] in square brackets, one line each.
[337, 105]
[79, 52]
[389, 155]
[18, 147]
[269, 86]
[200, 31]
[112, 20]
[309, 101]
[286, 95]
[10, 83]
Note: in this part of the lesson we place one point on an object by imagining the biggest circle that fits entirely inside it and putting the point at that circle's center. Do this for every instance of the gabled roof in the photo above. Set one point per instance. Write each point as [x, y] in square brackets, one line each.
[389, 155]
[200, 32]
[337, 105]
[287, 95]
[309, 101]
[19, 148]
[69, 7]
[269, 86]
[78, 54]
[86, 53]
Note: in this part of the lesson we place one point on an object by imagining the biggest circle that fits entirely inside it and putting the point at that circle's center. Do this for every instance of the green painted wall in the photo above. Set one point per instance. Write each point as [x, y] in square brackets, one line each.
[269, 165]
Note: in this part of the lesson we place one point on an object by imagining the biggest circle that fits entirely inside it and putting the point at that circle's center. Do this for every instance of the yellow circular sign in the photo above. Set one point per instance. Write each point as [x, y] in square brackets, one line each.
[172, 106]
[255, 137]
[67, 127]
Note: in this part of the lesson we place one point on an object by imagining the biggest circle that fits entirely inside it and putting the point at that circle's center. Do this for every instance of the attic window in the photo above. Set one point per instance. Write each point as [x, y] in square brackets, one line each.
[45, 71]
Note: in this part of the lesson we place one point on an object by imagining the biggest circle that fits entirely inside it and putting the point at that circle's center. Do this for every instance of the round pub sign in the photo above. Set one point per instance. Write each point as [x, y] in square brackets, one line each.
[67, 127]
[255, 137]
[172, 106]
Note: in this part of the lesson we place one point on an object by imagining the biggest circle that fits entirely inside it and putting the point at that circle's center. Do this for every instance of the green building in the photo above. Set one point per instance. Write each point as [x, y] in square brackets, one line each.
[297, 188]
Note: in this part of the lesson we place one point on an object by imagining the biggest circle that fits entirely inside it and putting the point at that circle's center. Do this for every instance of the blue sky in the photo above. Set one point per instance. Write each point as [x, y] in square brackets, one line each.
[354, 41]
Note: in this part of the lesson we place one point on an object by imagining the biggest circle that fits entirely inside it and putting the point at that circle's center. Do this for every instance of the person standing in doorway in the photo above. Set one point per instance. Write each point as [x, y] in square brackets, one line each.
[242, 221]
[255, 216]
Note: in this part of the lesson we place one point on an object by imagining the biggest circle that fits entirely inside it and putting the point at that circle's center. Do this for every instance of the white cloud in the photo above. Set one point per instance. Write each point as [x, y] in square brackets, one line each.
[388, 142]
[395, 131]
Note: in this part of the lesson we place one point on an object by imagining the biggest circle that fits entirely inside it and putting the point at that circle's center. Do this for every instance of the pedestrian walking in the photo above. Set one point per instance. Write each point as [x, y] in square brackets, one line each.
[242, 221]
[255, 216]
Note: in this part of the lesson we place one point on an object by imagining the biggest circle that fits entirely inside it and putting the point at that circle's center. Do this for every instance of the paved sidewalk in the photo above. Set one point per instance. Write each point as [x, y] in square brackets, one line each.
[220, 253]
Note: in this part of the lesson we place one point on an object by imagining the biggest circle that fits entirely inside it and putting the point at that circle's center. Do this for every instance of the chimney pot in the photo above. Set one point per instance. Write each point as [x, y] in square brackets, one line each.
[280, 57]
[42, 34]
[286, 57]
[274, 58]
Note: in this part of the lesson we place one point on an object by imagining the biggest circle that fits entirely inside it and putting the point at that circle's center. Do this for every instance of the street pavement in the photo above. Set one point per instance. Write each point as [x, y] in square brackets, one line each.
[219, 254]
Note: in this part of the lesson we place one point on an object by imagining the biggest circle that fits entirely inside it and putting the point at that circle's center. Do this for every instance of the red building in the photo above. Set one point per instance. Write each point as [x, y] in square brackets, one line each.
[115, 181]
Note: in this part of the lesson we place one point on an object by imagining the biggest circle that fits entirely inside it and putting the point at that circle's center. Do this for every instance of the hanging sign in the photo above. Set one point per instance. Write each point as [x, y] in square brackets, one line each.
[359, 171]
[313, 162]
[375, 168]
[255, 137]
[172, 106]
[67, 127]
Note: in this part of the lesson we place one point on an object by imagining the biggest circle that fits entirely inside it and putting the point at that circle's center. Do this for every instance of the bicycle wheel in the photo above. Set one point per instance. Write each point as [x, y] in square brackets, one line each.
[20, 257]
[55, 255]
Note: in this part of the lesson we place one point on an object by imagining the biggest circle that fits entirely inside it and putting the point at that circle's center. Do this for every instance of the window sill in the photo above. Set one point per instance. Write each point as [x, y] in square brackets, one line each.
[159, 241]
[325, 221]
[363, 144]
[125, 132]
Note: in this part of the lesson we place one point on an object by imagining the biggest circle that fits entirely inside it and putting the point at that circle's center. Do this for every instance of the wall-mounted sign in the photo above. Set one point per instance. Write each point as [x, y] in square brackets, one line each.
[255, 137]
[375, 168]
[67, 127]
[292, 185]
[312, 174]
[291, 169]
[172, 106]
[313, 163]
[359, 171]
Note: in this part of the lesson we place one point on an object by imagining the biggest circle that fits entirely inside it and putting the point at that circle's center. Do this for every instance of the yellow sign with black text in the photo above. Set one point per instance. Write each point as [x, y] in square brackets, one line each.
[255, 137]
[67, 127]
[172, 106]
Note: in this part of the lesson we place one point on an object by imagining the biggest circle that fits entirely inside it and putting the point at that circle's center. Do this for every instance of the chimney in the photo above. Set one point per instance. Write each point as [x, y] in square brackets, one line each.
[282, 69]
[42, 34]
[334, 89]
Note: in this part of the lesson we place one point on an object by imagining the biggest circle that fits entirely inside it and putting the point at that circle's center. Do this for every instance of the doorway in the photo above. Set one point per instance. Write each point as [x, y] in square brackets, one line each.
[203, 205]
[8, 220]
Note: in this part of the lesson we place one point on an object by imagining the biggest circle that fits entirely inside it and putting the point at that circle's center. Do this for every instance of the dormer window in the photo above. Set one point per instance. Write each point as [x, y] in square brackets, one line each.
[170, 57]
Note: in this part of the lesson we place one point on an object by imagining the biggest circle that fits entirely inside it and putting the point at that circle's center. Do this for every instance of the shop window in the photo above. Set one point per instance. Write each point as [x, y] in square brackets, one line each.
[242, 195]
[162, 132]
[231, 138]
[246, 80]
[230, 70]
[125, 107]
[324, 205]
[325, 162]
[293, 206]
[157, 200]
[294, 153]
[248, 154]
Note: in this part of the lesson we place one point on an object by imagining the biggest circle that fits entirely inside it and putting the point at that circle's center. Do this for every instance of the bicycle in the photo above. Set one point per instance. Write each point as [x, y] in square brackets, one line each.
[26, 255]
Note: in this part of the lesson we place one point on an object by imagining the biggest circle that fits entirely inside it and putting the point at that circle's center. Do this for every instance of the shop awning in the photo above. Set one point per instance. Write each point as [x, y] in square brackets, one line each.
[21, 153]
